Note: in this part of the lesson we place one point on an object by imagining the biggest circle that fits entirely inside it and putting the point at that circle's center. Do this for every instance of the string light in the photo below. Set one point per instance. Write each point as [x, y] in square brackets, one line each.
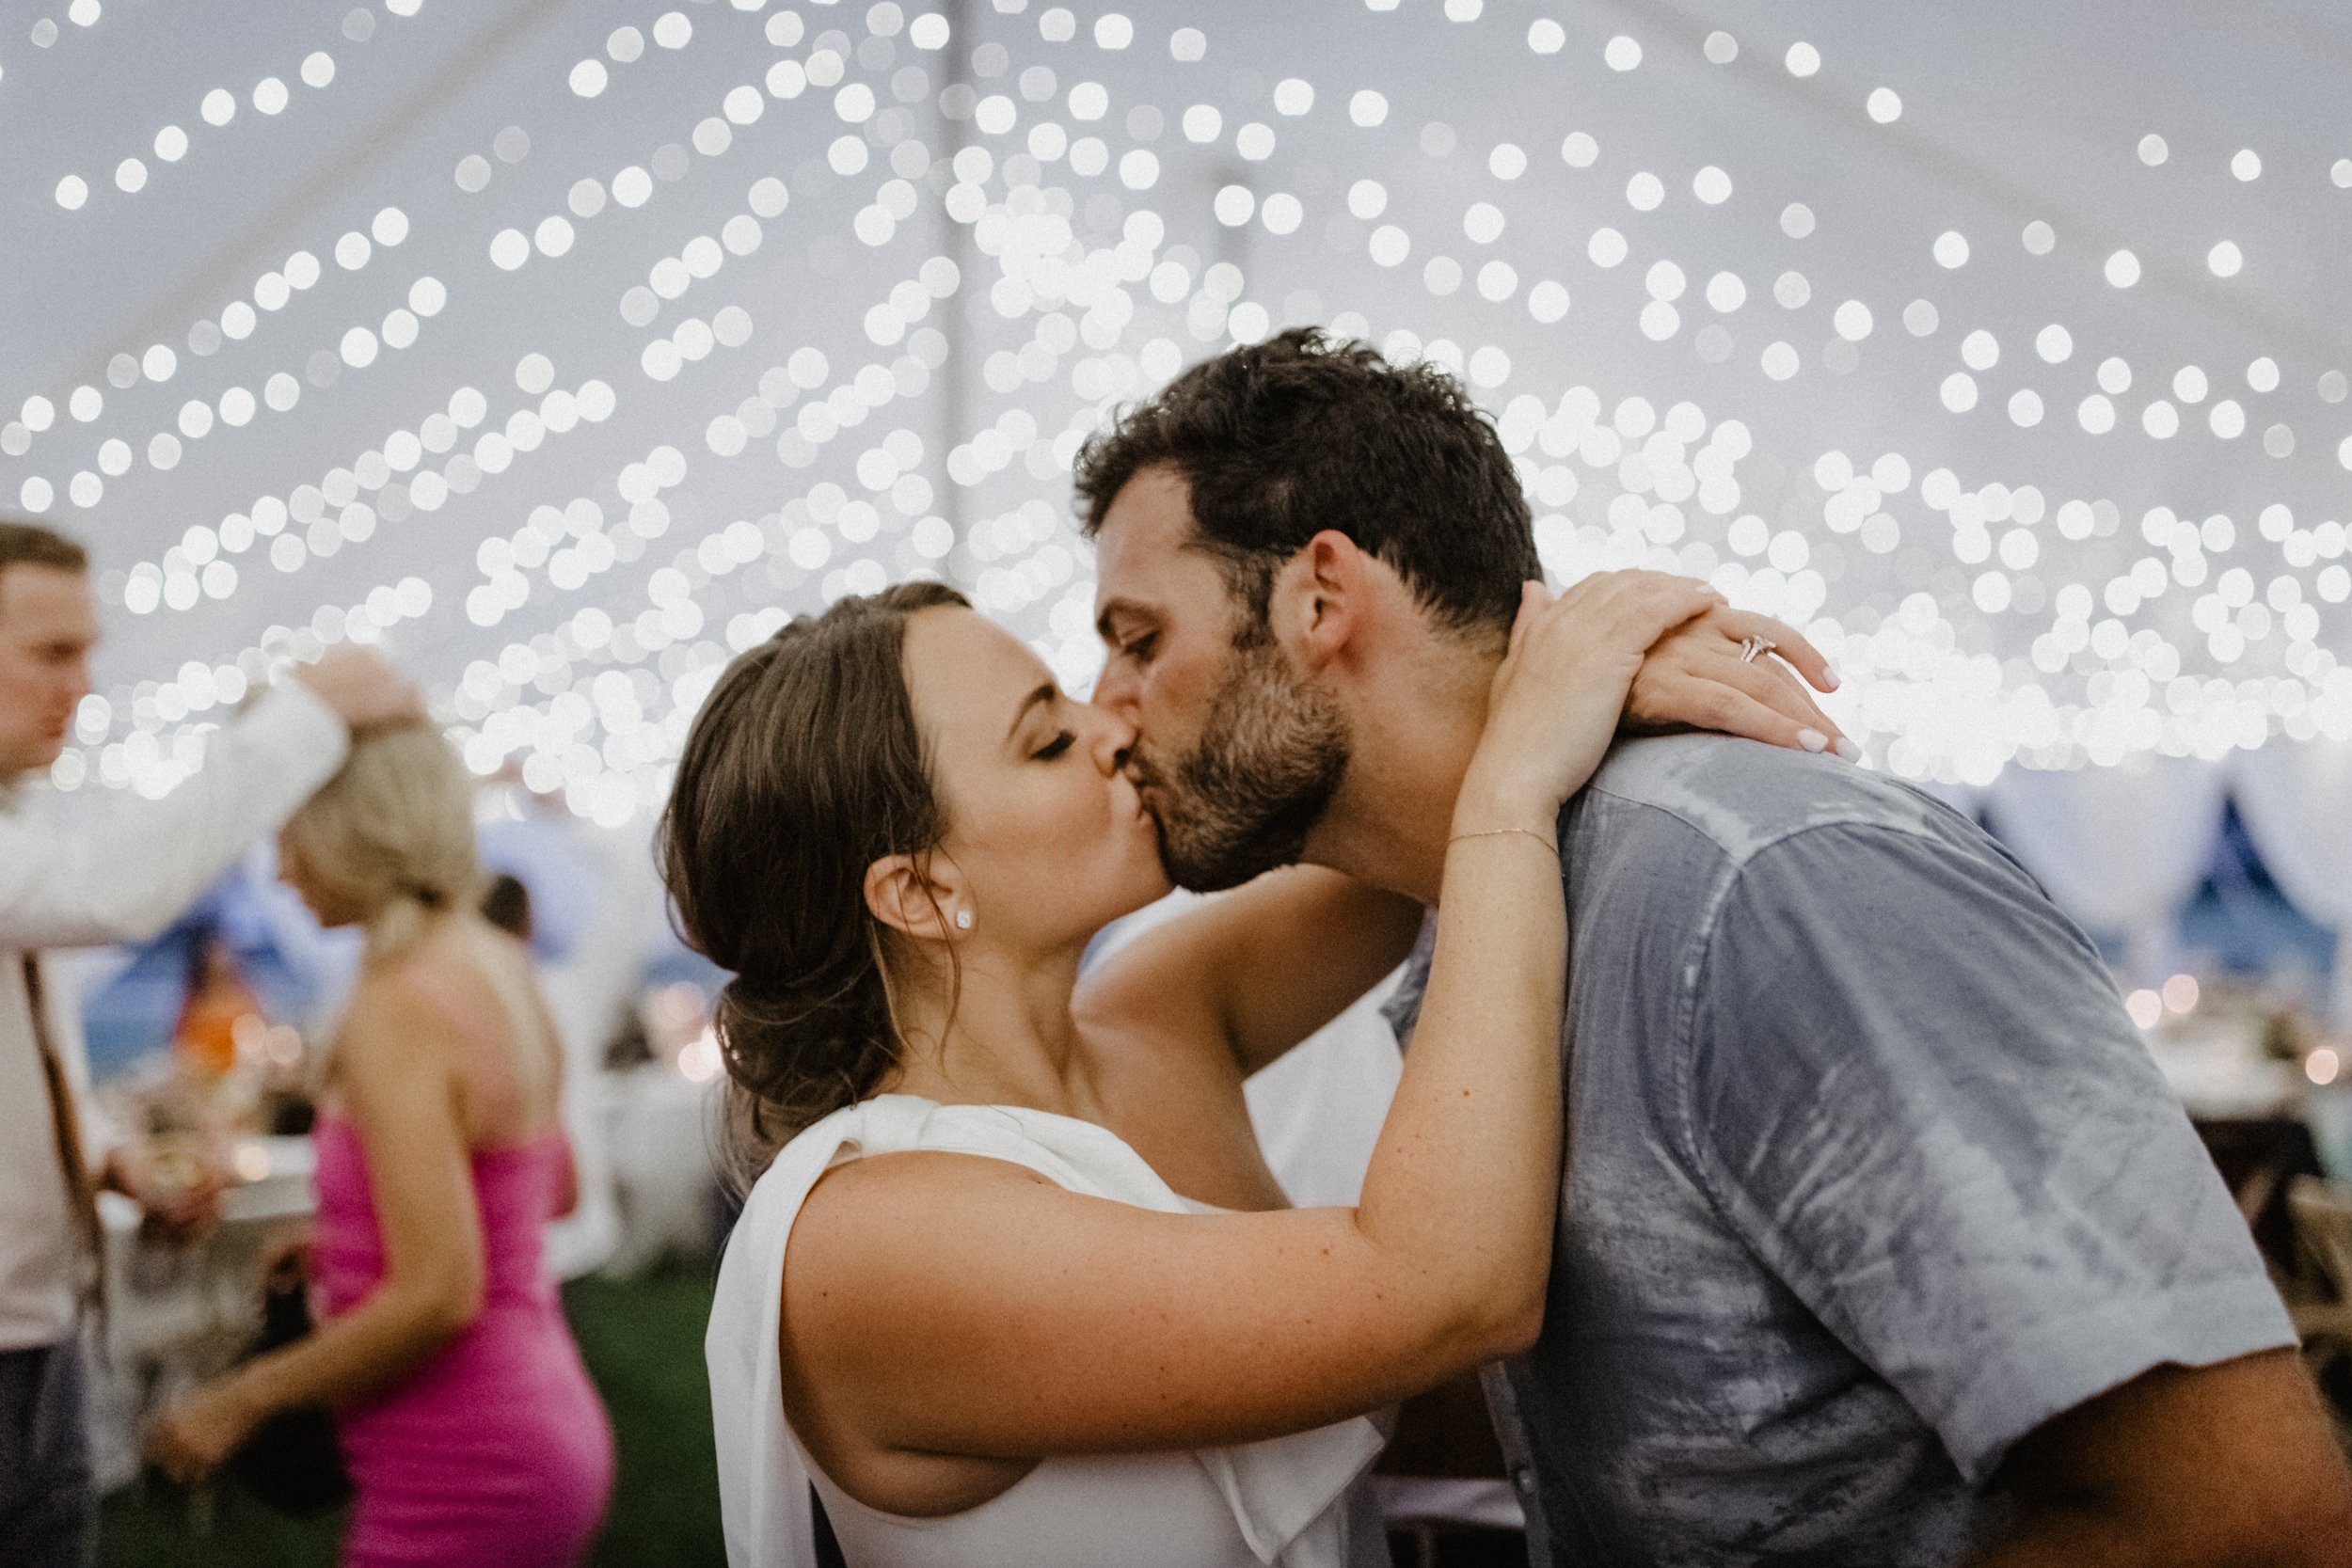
[171, 144]
[1986, 606]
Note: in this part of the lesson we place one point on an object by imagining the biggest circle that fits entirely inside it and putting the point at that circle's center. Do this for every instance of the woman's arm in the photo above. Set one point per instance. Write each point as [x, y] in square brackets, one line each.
[1266, 965]
[568, 1193]
[935, 1304]
[1260, 968]
[397, 1069]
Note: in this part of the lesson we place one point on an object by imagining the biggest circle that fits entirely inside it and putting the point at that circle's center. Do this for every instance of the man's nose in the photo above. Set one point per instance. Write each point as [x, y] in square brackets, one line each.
[1112, 739]
[1116, 690]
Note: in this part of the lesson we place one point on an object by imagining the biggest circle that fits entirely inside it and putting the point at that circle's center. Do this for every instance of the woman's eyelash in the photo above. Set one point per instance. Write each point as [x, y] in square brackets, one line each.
[1056, 746]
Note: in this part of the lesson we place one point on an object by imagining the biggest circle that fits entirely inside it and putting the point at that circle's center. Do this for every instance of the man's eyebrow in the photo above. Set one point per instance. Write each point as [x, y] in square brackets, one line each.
[1045, 693]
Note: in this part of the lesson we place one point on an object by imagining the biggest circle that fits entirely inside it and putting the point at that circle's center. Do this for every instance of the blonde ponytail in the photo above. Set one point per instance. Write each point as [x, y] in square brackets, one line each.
[393, 834]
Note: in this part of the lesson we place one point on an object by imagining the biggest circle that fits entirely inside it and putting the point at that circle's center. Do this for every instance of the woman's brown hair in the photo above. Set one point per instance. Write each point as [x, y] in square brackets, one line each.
[802, 769]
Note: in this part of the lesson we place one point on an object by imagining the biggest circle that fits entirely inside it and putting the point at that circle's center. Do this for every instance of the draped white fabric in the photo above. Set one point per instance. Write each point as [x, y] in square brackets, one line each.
[2297, 804]
[2118, 848]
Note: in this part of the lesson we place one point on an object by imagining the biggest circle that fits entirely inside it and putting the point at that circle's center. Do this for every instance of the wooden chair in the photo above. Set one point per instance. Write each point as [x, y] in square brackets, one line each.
[1443, 1486]
[2323, 1229]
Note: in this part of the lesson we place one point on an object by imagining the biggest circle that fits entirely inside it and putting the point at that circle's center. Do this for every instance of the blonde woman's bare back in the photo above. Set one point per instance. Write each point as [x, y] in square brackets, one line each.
[471, 987]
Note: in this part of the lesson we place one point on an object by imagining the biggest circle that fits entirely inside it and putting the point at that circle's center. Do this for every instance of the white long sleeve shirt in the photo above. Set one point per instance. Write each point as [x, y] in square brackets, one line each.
[121, 879]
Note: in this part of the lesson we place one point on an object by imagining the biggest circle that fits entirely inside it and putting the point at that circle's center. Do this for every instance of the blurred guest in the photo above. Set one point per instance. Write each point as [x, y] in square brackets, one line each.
[507, 906]
[120, 881]
[468, 1426]
[206, 1034]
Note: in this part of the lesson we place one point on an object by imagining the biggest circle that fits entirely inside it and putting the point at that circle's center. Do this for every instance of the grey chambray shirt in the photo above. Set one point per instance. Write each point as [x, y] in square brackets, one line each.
[1869, 1175]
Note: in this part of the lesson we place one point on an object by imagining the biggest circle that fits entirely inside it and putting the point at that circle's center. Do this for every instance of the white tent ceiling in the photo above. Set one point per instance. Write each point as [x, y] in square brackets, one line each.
[564, 346]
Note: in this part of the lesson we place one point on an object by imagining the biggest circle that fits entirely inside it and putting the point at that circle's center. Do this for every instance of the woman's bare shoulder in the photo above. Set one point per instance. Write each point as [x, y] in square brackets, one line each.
[859, 1199]
[418, 999]
[394, 1037]
[859, 1220]
[405, 992]
[867, 1188]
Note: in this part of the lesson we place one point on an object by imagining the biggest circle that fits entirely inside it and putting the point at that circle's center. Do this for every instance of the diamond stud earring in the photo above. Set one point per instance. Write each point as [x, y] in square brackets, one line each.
[964, 920]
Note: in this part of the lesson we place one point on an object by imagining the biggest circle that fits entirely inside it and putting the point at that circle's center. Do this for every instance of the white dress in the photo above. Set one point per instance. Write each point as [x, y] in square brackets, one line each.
[1289, 1502]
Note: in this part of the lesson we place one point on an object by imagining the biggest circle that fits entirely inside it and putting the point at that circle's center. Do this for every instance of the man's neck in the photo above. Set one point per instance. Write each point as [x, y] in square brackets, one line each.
[1389, 821]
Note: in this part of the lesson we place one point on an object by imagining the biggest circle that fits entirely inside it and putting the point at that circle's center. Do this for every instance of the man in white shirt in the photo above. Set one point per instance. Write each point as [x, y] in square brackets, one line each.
[123, 881]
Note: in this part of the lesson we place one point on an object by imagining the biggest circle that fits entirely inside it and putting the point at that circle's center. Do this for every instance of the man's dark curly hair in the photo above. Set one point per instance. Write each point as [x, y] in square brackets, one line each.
[1282, 440]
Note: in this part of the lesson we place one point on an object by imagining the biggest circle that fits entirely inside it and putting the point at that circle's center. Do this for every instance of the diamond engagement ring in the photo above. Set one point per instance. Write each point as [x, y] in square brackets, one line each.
[1751, 646]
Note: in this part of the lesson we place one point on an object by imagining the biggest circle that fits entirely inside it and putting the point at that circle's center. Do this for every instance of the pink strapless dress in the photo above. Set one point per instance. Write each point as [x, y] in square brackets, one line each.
[496, 1453]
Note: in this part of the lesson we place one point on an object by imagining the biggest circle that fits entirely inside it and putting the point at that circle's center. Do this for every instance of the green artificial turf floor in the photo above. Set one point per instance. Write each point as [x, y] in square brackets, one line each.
[642, 1342]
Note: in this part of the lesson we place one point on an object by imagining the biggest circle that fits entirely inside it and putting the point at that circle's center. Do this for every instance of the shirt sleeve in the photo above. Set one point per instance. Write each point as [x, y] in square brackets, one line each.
[125, 878]
[1913, 1090]
[1403, 1007]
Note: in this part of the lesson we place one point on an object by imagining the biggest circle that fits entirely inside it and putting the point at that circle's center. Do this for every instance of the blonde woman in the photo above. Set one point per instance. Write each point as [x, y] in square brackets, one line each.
[468, 1426]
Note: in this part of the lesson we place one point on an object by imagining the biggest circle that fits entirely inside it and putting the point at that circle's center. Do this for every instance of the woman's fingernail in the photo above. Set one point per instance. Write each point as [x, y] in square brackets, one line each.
[1813, 741]
[1847, 749]
[1829, 681]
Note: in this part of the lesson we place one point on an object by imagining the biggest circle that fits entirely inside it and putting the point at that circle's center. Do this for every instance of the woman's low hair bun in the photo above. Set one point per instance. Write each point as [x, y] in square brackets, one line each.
[802, 769]
[800, 1053]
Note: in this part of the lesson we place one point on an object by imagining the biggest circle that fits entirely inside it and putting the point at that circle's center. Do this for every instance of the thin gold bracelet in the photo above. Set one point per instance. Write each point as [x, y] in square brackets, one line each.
[1546, 840]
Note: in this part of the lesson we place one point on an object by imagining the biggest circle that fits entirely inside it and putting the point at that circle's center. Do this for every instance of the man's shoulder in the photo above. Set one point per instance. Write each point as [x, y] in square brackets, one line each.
[1731, 799]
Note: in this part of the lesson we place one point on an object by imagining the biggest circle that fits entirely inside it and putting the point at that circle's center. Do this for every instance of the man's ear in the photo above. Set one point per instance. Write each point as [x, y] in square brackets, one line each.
[909, 899]
[1320, 598]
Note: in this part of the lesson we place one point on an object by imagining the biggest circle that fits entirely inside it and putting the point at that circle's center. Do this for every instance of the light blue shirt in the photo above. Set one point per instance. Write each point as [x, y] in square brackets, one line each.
[1869, 1175]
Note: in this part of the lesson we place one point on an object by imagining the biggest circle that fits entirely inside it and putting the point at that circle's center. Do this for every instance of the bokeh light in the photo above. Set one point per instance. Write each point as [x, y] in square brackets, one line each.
[711, 316]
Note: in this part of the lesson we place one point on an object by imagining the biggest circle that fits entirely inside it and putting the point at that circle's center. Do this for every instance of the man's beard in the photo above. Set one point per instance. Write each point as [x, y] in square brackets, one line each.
[1271, 754]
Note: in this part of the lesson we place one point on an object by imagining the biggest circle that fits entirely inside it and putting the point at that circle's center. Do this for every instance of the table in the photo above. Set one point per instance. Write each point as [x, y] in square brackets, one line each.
[176, 1317]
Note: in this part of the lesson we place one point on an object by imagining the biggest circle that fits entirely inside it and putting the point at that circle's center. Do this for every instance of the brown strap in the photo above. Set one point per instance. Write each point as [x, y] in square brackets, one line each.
[82, 1194]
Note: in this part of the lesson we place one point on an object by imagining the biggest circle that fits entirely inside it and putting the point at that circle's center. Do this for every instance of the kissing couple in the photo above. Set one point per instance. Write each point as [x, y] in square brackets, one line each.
[1790, 1150]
